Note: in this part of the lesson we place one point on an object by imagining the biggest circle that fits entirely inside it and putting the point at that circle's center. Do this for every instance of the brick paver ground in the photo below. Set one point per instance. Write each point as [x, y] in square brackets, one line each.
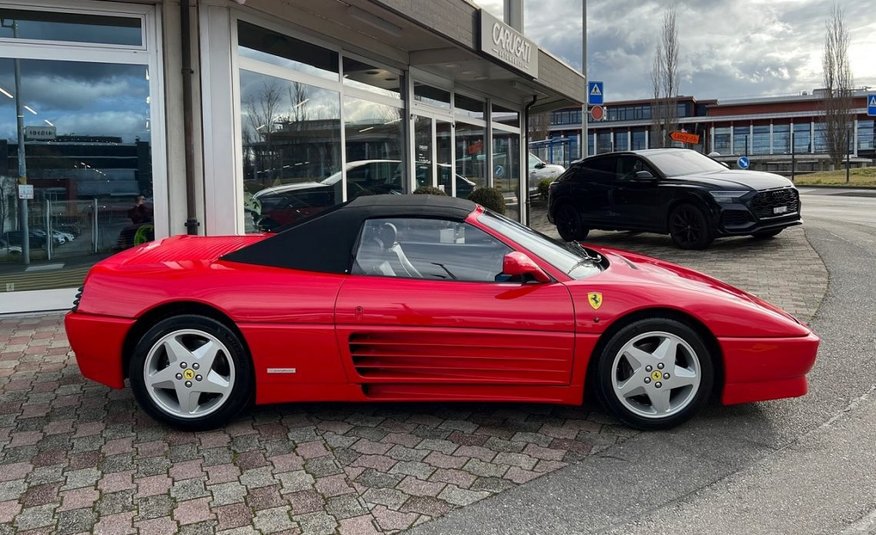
[77, 457]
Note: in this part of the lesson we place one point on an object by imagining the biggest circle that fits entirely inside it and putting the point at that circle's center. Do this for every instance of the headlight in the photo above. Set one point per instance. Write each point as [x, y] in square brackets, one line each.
[726, 197]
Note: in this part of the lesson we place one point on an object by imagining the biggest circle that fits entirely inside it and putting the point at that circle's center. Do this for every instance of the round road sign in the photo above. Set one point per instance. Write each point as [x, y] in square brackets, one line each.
[597, 113]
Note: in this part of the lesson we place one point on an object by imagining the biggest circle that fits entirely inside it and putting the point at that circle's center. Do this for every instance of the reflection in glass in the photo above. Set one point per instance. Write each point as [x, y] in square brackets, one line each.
[506, 116]
[866, 134]
[470, 153]
[71, 27]
[506, 169]
[373, 136]
[278, 49]
[431, 95]
[370, 78]
[88, 156]
[291, 148]
[781, 138]
[802, 138]
[423, 151]
[443, 145]
[468, 107]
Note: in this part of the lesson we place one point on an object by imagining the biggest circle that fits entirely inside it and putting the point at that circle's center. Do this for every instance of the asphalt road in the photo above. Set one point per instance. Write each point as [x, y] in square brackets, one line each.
[804, 465]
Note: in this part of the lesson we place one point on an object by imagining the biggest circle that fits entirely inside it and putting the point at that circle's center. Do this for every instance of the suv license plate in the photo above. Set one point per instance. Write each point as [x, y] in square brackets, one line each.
[780, 209]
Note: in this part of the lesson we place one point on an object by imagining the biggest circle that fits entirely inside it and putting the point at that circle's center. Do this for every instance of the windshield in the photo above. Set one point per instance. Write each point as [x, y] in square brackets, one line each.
[570, 258]
[683, 162]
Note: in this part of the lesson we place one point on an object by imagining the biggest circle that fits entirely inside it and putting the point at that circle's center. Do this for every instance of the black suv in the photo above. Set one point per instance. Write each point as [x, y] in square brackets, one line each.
[681, 192]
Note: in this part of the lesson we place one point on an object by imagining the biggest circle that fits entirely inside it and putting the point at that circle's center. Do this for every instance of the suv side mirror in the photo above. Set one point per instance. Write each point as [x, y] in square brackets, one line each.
[540, 165]
[518, 264]
[644, 175]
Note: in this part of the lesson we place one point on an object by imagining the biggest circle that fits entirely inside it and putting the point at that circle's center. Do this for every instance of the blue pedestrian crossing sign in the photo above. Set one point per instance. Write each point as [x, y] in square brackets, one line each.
[594, 93]
[871, 104]
[743, 162]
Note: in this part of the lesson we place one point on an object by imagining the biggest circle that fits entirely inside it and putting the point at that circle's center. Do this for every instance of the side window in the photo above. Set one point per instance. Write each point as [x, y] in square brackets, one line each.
[434, 249]
[600, 169]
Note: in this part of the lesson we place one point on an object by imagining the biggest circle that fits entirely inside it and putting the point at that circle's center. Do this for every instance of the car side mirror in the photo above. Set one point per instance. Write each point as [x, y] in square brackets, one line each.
[517, 264]
[540, 165]
[644, 175]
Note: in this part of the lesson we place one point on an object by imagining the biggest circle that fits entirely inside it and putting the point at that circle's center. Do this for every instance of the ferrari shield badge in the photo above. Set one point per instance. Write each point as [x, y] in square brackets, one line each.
[595, 299]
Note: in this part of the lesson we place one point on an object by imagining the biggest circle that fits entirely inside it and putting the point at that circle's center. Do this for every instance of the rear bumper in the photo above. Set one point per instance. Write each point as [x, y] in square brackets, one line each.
[97, 342]
[760, 369]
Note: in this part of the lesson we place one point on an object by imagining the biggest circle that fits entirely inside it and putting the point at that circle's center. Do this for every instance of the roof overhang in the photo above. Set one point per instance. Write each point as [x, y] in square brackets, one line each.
[440, 37]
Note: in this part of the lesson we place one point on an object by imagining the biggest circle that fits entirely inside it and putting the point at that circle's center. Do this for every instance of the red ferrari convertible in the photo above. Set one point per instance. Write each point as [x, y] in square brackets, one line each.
[421, 297]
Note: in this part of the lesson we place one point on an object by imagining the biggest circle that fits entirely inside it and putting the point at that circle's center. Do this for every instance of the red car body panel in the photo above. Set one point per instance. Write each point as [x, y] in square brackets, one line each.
[360, 337]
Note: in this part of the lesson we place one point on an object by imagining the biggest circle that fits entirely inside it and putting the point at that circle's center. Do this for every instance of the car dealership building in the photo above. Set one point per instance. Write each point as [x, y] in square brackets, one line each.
[199, 105]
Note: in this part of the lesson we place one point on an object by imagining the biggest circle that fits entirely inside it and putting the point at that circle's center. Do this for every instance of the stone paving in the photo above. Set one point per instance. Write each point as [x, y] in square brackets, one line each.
[77, 457]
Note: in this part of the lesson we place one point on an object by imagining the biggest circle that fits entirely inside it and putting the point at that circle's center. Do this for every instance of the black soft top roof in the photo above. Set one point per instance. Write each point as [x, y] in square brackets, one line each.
[325, 242]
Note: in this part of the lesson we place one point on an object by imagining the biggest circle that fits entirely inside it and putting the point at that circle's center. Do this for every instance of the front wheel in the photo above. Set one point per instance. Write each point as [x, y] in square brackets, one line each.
[689, 227]
[191, 372]
[569, 223]
[654, 374]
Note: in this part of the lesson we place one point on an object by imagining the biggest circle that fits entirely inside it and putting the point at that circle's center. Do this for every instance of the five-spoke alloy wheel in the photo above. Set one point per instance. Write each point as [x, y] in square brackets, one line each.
[191, 372]
[654, 373]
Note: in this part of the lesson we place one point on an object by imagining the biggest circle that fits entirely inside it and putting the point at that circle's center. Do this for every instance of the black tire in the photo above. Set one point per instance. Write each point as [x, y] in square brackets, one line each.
[569, 223]
[230, 371]
[689, 227]
[636, 404]
[767, 234]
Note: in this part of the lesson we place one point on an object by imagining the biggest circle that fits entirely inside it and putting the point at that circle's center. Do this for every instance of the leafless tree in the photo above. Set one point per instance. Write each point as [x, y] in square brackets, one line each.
[838, 86]
[664, 82]
[262, 112]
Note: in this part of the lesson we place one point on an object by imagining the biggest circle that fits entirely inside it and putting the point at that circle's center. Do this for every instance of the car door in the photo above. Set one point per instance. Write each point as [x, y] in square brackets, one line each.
[593, 186]
[450, 324]
[638, 199]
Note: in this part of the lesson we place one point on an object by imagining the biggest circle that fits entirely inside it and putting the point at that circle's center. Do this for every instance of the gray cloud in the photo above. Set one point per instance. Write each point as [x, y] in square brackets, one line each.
[744, 48]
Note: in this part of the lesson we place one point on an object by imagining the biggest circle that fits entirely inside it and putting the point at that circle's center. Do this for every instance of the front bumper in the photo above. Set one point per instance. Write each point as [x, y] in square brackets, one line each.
[97, 342]
[760, 369]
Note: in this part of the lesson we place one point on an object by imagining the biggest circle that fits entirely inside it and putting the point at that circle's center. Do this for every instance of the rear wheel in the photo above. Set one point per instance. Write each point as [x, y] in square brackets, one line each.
[569, 223]
[767, 234]
[191, 372]
[689, 227]
[654, 373]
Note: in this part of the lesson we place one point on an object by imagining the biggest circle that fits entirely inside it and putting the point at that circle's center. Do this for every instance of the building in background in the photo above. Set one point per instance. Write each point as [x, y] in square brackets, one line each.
[761, 128]
[295, 94]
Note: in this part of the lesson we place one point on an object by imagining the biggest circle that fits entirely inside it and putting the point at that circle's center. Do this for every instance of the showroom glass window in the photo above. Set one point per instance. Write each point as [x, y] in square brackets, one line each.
[866, 131]
[722, 140]
[471, 163]
[781, 138]
[88, 139]
[620, 141]
[639, 139]
[741, 139]
[506, 141]
[760, 141]
[802, 138]
[290, 108]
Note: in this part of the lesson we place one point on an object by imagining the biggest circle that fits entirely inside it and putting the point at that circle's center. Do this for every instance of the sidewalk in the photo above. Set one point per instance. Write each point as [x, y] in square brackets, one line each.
[78, 457]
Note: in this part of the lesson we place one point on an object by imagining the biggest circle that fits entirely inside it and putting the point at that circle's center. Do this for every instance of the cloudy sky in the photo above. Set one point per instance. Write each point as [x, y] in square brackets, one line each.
[728, 49]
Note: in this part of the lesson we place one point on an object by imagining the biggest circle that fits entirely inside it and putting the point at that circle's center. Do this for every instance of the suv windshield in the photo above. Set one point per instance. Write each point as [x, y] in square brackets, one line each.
[683, 162]
[570, 258]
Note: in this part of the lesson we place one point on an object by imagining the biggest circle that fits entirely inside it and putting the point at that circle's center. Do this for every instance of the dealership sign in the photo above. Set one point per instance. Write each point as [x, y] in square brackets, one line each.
[40, 133]
[508, 45]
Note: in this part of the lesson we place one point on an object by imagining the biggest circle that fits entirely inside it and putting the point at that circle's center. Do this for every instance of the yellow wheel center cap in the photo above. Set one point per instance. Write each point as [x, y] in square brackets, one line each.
[189, 374]
[655, 375]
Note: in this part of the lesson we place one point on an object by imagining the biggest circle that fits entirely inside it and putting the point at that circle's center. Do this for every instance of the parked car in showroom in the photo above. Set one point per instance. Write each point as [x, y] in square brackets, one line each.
[424, 298]
[287, 203]
[679, 192]
[540, 170]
